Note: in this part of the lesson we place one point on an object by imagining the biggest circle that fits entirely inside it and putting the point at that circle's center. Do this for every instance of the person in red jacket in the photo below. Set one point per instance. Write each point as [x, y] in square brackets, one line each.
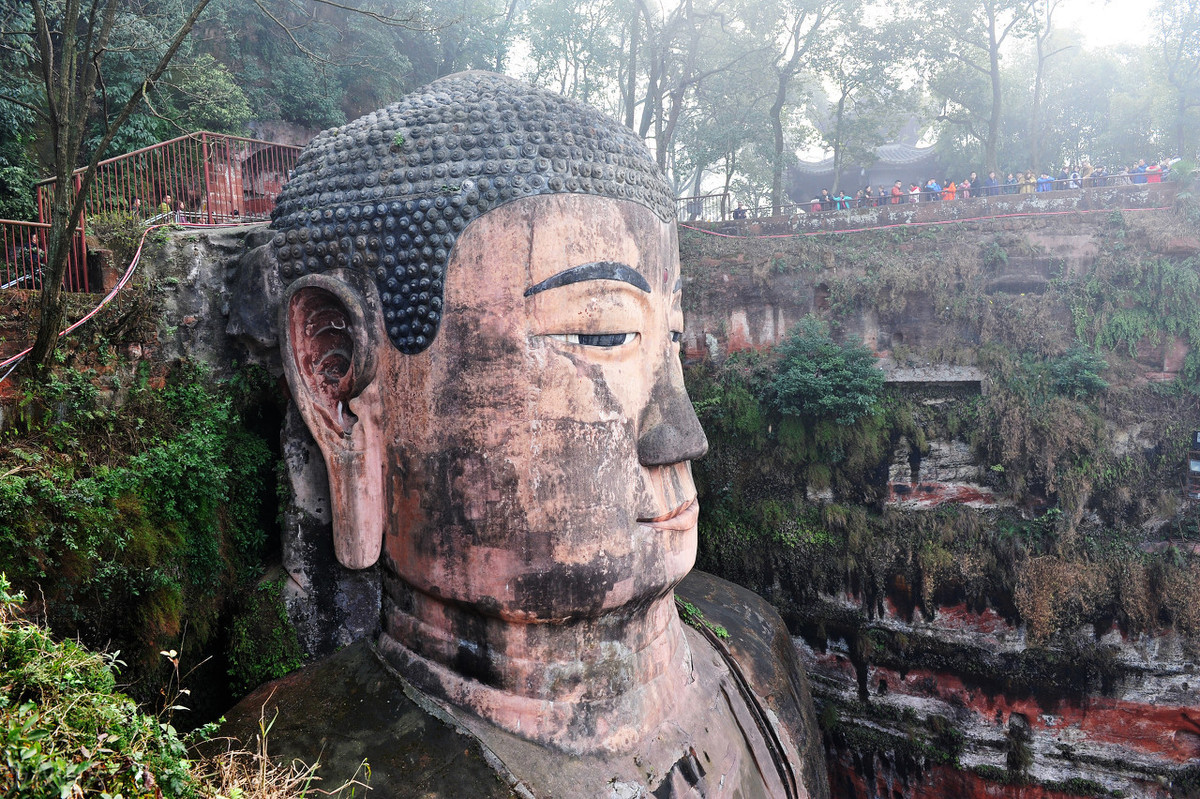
[897, 193]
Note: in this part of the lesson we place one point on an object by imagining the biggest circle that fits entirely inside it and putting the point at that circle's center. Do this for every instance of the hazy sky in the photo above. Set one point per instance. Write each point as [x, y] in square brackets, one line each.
[1103, 23]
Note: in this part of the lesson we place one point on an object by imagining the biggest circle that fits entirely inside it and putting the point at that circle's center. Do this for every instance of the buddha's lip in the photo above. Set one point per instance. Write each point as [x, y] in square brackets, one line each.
[681, 518]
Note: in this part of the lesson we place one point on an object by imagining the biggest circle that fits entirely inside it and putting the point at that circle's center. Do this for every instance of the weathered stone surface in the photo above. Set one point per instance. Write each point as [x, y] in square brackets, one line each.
[760, 643]
[352, 707]
[330, 605]
[347, 709]
[1125, 736]
[198, 275]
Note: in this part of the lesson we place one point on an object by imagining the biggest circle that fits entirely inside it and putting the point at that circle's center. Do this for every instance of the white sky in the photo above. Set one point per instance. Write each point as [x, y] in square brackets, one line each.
[1103, 23]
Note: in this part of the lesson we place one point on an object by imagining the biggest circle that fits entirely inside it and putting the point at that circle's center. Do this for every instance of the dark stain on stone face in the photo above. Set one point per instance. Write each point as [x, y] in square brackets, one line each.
[389, 194]
[670, 431]
[566, 585]
[470, 498]
[473, 658]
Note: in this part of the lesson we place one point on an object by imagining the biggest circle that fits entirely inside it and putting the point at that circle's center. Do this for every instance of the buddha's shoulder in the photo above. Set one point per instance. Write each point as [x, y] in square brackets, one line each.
[759, 643]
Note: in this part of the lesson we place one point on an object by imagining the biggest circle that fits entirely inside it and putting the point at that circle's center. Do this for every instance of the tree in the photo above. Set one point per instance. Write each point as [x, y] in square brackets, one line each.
[682, 49]
[868, 105]
[17, 169]
[67, 46]
[723, 130]
[798, 29]
[960, 44]
[1178, 30]
[1044, 12]
[458, 35]
[821, 379]
[72, 49]
[576, 48]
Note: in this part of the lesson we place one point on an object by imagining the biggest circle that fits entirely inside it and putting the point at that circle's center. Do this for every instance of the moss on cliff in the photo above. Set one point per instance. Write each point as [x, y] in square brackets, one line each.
[135, 511]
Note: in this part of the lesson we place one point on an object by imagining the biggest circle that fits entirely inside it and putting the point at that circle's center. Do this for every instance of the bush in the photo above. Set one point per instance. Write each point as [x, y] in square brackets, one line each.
[133, 523]
[66, 731]
[821, 379]
[262, 641]
[1076, 373]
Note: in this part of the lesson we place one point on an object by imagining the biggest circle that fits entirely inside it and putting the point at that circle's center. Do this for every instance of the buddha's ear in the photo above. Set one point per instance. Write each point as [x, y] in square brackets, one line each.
[329, 360]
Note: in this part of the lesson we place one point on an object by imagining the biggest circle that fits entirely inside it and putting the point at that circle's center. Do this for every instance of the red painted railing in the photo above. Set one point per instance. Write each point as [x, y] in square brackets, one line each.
[200, 178]
[203, 177]
[24, 248]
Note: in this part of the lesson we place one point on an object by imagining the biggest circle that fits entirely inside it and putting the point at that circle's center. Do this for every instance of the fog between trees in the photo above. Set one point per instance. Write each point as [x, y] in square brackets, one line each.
[725, 92]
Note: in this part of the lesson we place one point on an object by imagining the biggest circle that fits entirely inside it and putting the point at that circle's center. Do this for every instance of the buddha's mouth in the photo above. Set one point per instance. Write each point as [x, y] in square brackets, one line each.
[683, 517]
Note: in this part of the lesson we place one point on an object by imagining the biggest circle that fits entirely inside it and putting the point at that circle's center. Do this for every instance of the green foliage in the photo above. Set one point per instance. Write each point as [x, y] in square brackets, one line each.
[207, 96]
[1076, 373]
[64, 728]
[17, 173]
[262, 641]
[821, 379]
[134, 522]
[304, 95]
[690, 614]
[119, 231]
[1182, 171]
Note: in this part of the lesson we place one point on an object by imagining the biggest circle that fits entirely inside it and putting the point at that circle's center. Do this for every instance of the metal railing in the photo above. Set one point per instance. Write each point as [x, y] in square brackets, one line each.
[707, 207]
[24, 248]
[199, 178]
[210, 177]
[720, 207]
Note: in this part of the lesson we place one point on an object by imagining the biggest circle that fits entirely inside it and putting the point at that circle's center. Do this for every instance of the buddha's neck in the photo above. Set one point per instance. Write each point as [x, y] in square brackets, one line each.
[590, 685]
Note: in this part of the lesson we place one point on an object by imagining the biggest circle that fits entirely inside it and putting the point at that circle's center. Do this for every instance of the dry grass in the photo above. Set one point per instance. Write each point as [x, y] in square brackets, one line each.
[1054, 594]
[243, 774]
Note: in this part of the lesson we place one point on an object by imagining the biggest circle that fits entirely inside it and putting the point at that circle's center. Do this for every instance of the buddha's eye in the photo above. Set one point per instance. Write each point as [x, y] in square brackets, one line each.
[676, 336]
[594, 339]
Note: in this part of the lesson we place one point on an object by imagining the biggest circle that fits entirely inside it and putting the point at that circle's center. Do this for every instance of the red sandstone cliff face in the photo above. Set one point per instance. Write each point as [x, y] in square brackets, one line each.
[1127, 731]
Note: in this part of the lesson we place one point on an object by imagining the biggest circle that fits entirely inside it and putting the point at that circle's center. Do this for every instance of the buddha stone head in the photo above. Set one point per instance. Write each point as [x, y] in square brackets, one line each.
[481, 328]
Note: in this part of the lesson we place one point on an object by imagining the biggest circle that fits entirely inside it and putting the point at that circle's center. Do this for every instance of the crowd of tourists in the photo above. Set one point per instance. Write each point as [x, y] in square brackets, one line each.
[931, 190]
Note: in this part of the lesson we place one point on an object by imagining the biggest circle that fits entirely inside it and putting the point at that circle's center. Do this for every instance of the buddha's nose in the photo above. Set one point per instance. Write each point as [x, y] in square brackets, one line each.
[670, 431]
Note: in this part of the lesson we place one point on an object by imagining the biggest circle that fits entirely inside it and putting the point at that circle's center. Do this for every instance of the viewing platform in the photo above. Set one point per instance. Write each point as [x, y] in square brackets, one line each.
[794, 220]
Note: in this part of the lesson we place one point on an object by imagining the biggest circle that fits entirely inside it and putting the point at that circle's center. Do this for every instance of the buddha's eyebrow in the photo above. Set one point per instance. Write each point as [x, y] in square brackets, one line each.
[596, 270]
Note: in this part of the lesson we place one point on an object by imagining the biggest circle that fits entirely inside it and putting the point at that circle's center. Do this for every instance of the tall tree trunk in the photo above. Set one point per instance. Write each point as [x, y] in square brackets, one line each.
[631, 77]
[69, 93]
[837, 142]
[1181, 127]
[1035, 110]
[777, 130]
[993, 134]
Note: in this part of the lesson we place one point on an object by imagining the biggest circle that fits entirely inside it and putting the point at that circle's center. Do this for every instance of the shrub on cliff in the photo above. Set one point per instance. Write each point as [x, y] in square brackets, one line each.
[821, 379]
[134, 522]
[1076, 373]
[66, 731]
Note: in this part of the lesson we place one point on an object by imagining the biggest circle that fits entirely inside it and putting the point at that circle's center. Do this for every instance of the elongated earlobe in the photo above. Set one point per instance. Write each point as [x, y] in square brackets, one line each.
[329, 364]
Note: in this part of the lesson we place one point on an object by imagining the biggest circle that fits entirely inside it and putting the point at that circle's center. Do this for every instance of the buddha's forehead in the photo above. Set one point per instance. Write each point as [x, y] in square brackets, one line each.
[390, 193]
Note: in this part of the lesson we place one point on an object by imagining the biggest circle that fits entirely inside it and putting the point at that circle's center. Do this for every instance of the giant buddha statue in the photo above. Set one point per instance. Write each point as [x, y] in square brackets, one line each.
[480, 321]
